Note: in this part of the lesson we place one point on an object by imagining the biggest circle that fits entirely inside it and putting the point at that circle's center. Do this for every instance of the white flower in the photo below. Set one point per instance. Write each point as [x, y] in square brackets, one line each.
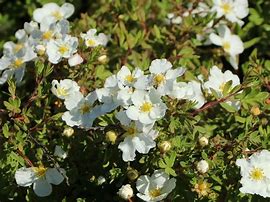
[61, 48]
[68, 90]
[172, 19]
[58, 151]
[51, 13]
[147, 107]
[203, 141]
[231, 44]
[233, 10]
[93, 40]
[202, 166]
[40, 177]
[85, 112]
[125, 192]
[255, 172]
[156, 187]
[163, 76]
[75, 60]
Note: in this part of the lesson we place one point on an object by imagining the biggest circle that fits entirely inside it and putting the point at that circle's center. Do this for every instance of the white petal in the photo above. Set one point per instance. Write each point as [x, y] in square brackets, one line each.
[24, 176]
[53, 176]
[75, 60]
[67, 10]
[128, 149]
[215, 39]
[133, 113]
[142, 184]
[42, 188]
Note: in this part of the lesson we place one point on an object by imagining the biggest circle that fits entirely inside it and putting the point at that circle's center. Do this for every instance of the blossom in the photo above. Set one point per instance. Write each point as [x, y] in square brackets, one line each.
[68, 90]
[203, 141]
[61, 48]
[137, 138]
[51, 13]
[163, 76]
[125, 192]
[255, 172]
[233, 10]
[231, 44]
[74, 60]
[156, 187]
[202, 166]
[147, 107]
[40, 177]
[93, 40]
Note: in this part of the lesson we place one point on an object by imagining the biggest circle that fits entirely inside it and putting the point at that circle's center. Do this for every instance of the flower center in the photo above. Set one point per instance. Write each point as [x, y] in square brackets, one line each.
[47, 35]
[221, 87]
[18, 47]
[159, 79]
[227, 46]
[40, 171]
[226, 7]
[63, 49]
[61, 91]
[146, 107]
[91, 42]
[131, 131]
[57, 15]
[155, 192]
[85, 108]
[18, 62]
[130, 78]
[257, 174]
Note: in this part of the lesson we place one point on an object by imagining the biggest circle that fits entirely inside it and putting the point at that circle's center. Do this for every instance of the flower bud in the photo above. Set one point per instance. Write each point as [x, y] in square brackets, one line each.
[68, 131]
[103, 59]
[202, 166]
[255, 111]
[40, 50]
[132, 174]
[125, 192]
[164, 146]
[111, 136]
[101, 180]
[203, 141]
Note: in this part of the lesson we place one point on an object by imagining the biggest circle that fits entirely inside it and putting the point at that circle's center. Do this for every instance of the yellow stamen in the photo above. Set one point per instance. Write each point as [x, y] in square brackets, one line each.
[221, 87]
[40, 171]
[155, 192]
[130, 78]
[61, 91]
[57, 15]
[146, 107]
[226, 7]
[159, 79]
[85, 108]
[63, 49]
[90, 42]
[227, 46]
[18, 63]
[47, 35]
[257, 174]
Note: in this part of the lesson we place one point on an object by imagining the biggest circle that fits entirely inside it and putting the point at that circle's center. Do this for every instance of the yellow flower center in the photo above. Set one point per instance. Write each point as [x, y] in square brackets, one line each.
[85, 108]
[155, 192]
[18, 47]
[130, 78]
[257, 174]
[221, 87]
[227, 46]
[47, 35]
[159, 79]
[61, 91]
[63, 49]
[202, 188]
[40, 171]
[131, 131]
[57, 15]
[18, 62]
[226, 7]
[91, 42]
[146, 107]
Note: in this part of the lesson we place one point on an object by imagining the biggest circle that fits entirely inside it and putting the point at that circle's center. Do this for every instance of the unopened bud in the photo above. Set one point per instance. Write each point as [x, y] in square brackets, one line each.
[101, 180]
[203, 141]
[132, 174]
[164, 146]
[202, 166]
[103, 59]
[111, 136]
[255, 111]
[125, 192]
[68, 131]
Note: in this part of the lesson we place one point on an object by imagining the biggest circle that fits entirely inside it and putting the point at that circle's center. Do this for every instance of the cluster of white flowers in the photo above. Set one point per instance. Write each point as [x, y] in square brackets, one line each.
[48, 35]
[255, 172]
[138, 100]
